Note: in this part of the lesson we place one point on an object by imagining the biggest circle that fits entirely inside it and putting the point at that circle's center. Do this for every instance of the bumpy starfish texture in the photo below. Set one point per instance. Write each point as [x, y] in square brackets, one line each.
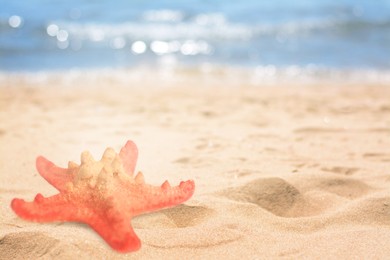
[103, 194]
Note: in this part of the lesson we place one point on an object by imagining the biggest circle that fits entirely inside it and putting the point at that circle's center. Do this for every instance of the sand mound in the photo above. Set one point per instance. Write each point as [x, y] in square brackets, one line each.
[368, 211]
[272, 194]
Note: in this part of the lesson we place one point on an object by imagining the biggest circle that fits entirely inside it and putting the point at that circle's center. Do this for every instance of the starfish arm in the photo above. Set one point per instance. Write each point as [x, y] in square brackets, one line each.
[56, 176]
[51, 209]
[116, 230]
[112, 227]
[129, 155]
[155, 198]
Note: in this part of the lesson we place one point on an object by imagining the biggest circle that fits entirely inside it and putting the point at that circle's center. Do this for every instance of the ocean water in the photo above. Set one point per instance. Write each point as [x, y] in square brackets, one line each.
[313, 37]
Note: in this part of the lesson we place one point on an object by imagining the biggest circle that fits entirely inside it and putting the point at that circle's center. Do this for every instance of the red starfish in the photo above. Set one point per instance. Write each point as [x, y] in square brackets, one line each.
[102, 194]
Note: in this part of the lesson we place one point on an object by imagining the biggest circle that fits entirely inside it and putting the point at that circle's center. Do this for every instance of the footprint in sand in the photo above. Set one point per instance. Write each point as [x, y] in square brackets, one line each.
[272, 194]
[180, 216]
[347, 188]
[340, 170]
[186, 216]
[180, 228]
[195, 238]
[26, 244]
[383, 157]
[39, 245]
[317, 130]
[211, 144]
[195, 162]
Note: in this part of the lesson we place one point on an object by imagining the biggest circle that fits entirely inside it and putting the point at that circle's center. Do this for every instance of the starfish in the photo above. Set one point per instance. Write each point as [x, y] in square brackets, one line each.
[103, 194]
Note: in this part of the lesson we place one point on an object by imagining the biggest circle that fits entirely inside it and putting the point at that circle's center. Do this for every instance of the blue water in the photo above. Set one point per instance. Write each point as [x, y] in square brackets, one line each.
[47, 35]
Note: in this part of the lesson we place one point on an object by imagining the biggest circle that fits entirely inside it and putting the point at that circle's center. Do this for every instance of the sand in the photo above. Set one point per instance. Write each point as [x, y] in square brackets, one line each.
[280, 172]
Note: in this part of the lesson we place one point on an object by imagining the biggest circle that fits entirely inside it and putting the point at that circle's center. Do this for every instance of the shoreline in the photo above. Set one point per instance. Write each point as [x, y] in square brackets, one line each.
[204, 75]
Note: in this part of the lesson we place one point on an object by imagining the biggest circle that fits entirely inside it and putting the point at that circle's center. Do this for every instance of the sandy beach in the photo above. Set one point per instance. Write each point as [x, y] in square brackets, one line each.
[280, 171]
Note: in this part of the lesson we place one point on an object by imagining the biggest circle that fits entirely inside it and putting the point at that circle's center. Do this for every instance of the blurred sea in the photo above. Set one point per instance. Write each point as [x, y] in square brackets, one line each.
[321, 38]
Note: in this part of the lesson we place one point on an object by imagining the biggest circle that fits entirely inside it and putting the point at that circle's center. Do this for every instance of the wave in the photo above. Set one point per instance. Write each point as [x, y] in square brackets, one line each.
[169, 25]
[96, 32]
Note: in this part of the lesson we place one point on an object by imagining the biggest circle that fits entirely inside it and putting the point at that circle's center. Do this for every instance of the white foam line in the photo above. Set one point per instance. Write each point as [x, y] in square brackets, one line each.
[207, 74]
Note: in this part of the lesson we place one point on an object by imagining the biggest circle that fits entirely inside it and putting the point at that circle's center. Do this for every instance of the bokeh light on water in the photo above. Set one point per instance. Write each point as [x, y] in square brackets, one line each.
[15, 21]
[269, 38]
